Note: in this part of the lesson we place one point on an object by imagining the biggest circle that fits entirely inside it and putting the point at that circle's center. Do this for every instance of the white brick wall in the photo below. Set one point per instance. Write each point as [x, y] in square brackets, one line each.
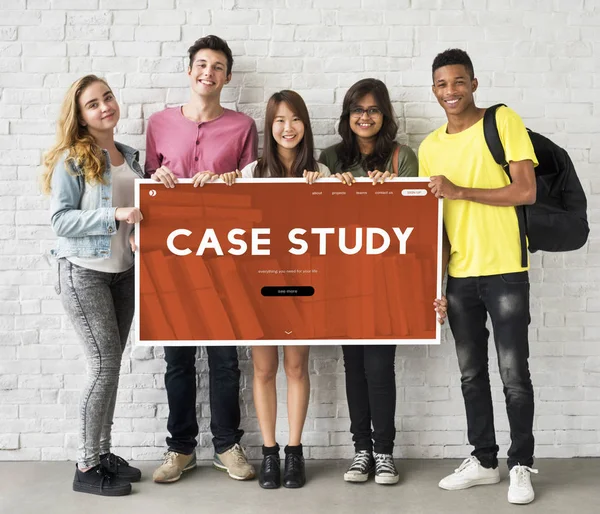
[540, 56]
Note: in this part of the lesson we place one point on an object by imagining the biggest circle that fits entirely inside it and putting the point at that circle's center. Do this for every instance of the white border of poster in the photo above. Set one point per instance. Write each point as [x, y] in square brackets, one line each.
[273, 342]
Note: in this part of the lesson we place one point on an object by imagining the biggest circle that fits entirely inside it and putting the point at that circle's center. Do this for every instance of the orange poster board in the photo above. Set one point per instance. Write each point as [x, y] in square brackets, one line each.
[278, 261]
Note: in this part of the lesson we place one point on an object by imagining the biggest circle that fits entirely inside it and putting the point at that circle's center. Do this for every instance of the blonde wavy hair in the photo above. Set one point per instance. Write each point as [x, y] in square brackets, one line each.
[72, 137]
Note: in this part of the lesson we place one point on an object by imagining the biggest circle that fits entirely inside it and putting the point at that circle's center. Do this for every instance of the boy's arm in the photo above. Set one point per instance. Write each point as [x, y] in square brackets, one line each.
[522, 190]
[521, 157]
[250, 149]
[152, 159]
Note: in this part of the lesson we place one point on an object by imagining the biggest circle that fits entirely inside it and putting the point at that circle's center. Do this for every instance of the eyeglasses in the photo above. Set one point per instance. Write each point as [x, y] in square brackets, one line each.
[372, 112]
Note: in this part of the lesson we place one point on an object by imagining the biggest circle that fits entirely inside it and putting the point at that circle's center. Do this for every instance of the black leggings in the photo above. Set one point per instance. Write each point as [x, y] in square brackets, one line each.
[371, 393]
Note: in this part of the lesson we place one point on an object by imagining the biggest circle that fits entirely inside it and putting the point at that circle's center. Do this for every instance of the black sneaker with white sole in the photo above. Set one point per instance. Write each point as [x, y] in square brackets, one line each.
[361, 468]
[385, 469]
[98, 480]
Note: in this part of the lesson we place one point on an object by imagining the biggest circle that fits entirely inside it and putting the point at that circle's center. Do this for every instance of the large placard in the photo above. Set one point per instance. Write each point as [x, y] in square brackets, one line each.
[279, 261]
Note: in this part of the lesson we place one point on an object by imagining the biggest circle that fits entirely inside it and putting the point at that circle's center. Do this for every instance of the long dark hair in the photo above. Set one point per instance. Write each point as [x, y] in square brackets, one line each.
[270, 164]
[348, 152]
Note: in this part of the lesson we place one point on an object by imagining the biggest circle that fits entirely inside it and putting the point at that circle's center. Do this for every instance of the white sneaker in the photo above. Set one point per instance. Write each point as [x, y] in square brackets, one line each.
[468, 474]
[520, 490]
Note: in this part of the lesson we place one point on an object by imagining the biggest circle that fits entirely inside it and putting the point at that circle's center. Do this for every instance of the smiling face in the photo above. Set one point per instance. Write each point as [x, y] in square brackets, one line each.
[366, 118]
[288, 128]
[98, 108]
[208, 72]
[454, 88]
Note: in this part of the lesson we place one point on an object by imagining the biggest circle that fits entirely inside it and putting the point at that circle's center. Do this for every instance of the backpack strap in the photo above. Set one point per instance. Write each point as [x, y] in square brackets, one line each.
[396, 158]
[494, 144]
[492, 137]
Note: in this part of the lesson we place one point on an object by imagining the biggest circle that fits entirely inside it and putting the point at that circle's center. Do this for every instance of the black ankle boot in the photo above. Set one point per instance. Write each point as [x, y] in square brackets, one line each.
[98, 480]
[294, 475]
[120, 467]
[269, 476]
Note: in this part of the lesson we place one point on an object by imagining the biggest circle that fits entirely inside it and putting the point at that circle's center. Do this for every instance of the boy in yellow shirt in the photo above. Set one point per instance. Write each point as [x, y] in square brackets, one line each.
[485, 273]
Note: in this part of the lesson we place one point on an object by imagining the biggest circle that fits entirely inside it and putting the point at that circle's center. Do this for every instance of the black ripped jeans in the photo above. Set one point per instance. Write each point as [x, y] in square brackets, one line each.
[506, 299]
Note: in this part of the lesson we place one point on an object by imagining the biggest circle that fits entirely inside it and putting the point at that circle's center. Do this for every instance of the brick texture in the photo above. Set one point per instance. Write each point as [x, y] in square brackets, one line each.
[539, 57]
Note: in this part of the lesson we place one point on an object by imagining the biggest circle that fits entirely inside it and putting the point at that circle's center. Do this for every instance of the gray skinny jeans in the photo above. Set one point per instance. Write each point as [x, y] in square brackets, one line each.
[100, 306]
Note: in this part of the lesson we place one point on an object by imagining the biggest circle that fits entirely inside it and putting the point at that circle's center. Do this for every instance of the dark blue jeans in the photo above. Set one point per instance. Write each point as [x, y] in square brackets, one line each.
[224, 388]
[506, 299]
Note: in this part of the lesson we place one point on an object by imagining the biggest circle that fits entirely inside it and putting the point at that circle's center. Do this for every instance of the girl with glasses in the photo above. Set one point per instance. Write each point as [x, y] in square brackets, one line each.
[368, 129]
[368, 148]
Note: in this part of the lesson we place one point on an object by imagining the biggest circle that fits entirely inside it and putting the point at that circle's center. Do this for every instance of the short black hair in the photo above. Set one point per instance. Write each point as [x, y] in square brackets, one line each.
[453, 56]
[212, 43]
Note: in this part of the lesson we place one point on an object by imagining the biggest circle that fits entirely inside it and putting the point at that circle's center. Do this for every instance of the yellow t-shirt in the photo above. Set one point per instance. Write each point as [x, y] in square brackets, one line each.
[484, 239]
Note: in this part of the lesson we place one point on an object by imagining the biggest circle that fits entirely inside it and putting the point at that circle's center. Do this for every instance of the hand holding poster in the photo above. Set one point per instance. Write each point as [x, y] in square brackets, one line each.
[283, 262]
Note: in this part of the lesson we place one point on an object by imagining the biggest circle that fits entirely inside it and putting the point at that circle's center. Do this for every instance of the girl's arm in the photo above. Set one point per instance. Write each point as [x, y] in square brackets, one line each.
[408, 164]
[67, 218]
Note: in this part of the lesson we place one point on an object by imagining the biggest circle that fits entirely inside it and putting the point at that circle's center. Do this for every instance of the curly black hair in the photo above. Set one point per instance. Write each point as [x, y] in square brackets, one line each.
[453, 56]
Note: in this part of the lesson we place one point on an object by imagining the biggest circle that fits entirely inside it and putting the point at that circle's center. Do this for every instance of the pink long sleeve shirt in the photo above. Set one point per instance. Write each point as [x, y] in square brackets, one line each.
[224, 144]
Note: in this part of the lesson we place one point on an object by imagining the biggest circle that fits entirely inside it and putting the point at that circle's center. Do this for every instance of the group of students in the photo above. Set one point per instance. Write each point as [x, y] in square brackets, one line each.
[91, 178]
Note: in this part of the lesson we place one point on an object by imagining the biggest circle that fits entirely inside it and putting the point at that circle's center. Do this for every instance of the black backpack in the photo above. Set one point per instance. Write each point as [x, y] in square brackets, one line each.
[557, 221]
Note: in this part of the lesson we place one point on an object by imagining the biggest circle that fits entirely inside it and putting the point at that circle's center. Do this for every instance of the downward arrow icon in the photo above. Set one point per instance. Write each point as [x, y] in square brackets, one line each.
[288, 333]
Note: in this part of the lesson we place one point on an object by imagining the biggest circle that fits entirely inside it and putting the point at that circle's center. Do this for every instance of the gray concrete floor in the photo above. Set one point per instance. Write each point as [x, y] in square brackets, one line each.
[563, 486]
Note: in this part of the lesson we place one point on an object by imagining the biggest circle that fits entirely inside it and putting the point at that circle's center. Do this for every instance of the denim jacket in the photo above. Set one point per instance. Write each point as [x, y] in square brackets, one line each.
[85, 233]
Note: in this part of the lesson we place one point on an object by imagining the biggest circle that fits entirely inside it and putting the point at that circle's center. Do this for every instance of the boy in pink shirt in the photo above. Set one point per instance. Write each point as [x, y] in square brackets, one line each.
[186, 142]
[180, 146]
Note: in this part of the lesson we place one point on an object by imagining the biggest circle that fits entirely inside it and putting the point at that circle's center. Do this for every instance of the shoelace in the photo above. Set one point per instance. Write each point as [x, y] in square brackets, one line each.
[114, 461]
[384, 463]
[238, 452]
[466, 463]
[361, 462]
[271, 463]
[292, 461]
[107, 476]
[522, 476]
[169, 457]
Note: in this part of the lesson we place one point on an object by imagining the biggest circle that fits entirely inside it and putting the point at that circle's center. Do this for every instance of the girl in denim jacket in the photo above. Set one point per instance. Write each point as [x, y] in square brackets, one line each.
[90, 178]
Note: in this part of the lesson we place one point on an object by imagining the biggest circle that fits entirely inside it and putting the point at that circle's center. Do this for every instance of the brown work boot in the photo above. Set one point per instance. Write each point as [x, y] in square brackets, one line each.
[173, 466]
[235, 463]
